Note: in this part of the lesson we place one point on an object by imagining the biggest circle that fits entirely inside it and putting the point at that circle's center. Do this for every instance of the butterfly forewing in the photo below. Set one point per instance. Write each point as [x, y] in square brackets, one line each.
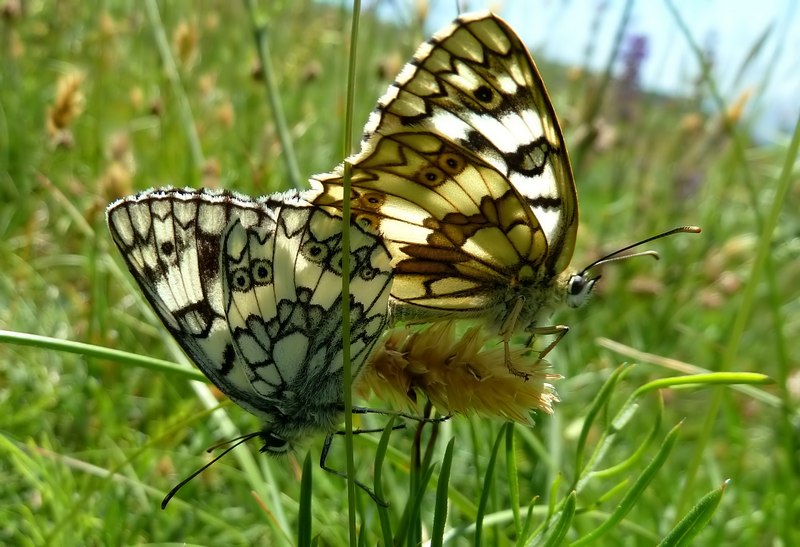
[170, 241]
[474, 84]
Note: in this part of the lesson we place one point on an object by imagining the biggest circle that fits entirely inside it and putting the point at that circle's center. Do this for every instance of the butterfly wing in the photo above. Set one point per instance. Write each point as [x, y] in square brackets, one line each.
[475, 85]
[171, 241]
[283, 305]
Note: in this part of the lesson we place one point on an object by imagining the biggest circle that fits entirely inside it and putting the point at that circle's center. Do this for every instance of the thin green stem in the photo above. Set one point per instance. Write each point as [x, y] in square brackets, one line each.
[347, 369]
[261, 35]
[171, 69]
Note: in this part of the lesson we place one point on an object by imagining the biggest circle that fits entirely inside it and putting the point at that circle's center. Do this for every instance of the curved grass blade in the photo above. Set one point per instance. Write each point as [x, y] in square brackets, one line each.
[564, 521]
[597, 405]
[641, 483]
[638, 454]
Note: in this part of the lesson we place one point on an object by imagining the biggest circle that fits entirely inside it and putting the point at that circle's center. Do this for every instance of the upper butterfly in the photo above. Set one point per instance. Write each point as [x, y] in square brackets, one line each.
[251, 290]
[464, 172]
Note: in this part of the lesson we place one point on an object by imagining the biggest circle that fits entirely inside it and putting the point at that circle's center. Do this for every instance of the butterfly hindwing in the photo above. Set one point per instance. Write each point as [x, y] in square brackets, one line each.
[284, 304]
[457, 230]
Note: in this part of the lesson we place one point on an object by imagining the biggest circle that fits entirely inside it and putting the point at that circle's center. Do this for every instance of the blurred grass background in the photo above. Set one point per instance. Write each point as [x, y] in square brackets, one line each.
[88, 113]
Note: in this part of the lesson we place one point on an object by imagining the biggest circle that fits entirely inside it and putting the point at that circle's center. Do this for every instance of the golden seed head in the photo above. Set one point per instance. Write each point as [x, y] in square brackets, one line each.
[459, 374]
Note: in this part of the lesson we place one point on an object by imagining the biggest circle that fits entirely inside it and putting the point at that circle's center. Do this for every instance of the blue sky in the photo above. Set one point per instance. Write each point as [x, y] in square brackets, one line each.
[560, 30]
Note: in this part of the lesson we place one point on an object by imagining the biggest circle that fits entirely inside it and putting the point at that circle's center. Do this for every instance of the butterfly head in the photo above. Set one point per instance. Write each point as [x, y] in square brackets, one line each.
[291, 427]
[579, 288]
[274, 444]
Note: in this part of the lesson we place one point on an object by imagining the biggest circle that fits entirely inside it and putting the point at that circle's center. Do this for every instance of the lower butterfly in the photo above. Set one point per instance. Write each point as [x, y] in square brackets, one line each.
[251, 290]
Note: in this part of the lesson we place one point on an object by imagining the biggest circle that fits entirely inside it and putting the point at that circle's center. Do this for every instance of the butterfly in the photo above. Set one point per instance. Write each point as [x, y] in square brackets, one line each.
[251, 290]
[464, 172]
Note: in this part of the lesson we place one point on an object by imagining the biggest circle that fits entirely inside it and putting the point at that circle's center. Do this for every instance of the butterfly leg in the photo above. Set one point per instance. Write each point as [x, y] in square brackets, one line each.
[323, 458]
[372, 430]
[507, 331]
[559, 330]
[398, 414]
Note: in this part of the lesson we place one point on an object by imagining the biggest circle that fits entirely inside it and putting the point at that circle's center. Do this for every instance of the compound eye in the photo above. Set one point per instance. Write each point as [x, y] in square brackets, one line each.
[577, 283]
[579, 287]
[273, 444]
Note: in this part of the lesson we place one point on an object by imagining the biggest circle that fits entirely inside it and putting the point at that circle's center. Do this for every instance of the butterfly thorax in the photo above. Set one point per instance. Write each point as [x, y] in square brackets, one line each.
[301, 416]
[543, 297]
[540, 296]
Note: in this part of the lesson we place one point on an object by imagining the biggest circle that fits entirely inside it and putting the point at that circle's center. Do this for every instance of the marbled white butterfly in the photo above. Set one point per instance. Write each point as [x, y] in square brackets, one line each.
[251, 290]
[464, 172]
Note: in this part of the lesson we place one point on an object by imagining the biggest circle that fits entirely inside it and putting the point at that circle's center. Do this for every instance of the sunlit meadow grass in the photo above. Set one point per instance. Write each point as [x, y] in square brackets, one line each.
[101, 99]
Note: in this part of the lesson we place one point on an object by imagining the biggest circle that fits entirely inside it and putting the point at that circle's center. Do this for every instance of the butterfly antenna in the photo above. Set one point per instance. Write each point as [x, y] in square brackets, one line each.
[233, 444]
[615, 256]
[237, 440]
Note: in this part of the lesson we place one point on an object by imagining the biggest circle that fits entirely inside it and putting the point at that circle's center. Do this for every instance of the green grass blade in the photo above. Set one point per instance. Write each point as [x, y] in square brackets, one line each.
[380, 458]
[487, 486]
[695, 520]
[513, 478]
[99, 352]
[563, 523]
[306, 498]
[411, 530]
[598, 403]
[640, 451]
[171, 69]
[710, 379]
[599, 94]
[528, 524]
[261, 35]
[442, 487]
